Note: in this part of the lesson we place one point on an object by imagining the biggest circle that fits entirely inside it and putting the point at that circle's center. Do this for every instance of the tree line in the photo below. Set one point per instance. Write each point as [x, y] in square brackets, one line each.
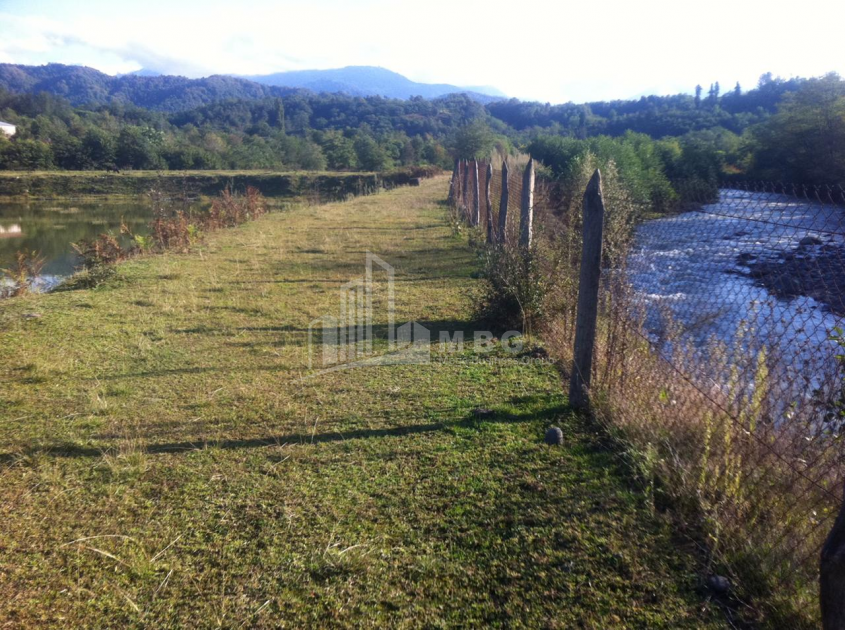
[787, 130]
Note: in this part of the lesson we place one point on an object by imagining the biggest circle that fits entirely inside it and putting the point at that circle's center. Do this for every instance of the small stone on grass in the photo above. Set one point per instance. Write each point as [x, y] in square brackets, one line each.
[719, 584]
[554, 436]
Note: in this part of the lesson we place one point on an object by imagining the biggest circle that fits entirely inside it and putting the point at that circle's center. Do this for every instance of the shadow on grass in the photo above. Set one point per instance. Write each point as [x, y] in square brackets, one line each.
[380, 331]
[475, 418]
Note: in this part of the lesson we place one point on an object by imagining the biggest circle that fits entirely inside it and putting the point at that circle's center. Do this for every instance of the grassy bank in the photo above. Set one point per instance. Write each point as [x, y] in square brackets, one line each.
[163, 465]
[304, 185]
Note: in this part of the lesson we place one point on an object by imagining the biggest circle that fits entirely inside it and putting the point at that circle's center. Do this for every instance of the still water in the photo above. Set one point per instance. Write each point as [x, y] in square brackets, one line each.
[50, 228]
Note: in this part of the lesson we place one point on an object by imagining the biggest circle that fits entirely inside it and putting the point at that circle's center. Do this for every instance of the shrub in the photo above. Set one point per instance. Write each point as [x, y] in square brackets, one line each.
[515, 287]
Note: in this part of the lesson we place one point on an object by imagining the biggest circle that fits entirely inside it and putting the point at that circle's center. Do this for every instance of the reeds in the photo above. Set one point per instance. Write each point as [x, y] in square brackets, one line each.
[175, 226]
[19, 278]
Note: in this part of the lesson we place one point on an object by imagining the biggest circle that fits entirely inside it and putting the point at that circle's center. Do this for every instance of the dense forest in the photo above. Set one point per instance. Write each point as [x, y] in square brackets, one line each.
[785, 130]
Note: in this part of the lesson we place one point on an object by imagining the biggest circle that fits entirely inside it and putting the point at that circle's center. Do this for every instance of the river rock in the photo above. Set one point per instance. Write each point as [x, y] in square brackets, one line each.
[808, 241]
[817, 273]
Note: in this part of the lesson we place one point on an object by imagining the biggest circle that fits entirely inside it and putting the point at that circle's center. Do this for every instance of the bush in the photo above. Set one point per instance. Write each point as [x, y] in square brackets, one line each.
[515, 287]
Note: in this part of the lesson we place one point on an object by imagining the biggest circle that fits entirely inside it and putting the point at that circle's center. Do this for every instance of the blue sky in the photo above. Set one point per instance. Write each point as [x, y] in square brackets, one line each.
[543, 50]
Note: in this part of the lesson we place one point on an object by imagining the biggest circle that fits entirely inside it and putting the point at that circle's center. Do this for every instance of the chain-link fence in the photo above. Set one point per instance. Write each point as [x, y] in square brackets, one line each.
[718, 357]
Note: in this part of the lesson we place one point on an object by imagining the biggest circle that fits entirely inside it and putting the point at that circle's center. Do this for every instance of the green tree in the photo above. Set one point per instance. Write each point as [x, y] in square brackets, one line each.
[338, 149]
[99, 149]
[137, 148]
[29, 155]
[68, 153]
[371, 156]
[435, 154]
[302, 153]
[804, 142]
[472, 141]
[278, 117]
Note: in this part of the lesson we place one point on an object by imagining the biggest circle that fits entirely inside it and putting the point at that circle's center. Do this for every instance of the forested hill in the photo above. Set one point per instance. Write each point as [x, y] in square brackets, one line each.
[657, 116]
[77, 119]
[85, 86]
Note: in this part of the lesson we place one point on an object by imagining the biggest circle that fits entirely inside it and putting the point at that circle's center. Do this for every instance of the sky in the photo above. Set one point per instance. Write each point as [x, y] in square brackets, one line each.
[550, 51]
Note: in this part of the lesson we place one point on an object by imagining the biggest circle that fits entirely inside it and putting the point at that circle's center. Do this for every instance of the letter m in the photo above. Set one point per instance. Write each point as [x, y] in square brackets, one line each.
[451, 344]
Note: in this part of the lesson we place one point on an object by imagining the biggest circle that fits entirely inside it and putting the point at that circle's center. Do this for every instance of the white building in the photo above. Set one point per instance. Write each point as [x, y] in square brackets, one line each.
[7, 128]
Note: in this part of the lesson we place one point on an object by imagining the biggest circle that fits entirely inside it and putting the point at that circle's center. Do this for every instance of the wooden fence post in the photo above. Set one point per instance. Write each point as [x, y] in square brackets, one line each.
[526, 217]
[588, 294]
[476, 201]
[489, 216]
[832, 576]
[503, 204]
[465, 188]
[453, 184]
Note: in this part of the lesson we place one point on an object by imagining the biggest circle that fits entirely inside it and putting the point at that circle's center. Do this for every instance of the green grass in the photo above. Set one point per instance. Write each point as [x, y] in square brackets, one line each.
[164, 466]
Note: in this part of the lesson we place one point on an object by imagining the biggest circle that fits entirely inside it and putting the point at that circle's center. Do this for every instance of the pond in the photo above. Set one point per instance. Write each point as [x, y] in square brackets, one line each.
[50, 227]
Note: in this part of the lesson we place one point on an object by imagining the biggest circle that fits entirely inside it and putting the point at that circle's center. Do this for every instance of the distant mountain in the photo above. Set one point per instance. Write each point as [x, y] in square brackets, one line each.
[82, 86]
[143, 72]
[369, 81]
[487, 90]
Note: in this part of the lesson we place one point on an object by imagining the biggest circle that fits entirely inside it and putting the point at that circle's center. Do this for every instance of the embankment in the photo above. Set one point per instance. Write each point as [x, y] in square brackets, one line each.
[318, 186]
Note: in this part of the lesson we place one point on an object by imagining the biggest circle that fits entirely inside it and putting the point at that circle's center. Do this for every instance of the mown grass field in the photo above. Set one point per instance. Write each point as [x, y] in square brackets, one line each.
[163, 465]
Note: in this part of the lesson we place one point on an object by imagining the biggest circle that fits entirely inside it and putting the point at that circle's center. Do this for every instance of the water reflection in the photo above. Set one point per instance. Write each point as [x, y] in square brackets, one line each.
[12, 231]
[49, 227]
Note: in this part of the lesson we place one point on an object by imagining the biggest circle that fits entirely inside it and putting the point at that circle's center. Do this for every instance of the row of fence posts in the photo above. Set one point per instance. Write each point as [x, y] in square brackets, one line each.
[464, 195]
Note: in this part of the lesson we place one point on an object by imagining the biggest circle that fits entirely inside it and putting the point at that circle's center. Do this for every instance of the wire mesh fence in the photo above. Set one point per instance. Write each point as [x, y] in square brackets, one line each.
[721, 352]
[719, 358]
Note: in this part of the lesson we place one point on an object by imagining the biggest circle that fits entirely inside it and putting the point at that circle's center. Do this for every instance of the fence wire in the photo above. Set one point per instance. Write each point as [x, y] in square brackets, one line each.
[737, 304]
[718, 357]
[466, 196]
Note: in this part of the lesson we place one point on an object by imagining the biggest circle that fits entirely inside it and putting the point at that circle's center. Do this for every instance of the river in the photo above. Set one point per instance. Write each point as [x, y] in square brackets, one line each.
[695, 282]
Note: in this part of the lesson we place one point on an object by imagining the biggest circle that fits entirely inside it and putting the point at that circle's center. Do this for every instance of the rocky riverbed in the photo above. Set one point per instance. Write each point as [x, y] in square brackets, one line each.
[813, 269]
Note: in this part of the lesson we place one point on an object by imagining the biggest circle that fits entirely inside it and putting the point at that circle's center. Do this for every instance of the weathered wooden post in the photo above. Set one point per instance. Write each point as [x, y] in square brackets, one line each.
[503, 204]
[476, 202]
[832, 576]
[489, 216]
[588, 294]
[453, 184]
[526, 217]
[465, 187]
